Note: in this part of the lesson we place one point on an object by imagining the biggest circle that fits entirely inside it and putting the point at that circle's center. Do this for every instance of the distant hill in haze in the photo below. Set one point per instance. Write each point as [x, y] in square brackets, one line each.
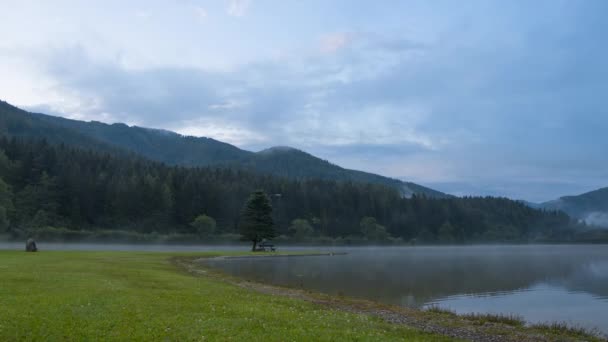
[176, 149]
[592, 207]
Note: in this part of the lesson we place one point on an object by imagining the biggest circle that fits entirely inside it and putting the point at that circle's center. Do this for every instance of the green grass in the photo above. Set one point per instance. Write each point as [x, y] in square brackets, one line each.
[440, 311]
[482, 318]
[79, 296]
[552, 331]
[478, 318]
[564, 329]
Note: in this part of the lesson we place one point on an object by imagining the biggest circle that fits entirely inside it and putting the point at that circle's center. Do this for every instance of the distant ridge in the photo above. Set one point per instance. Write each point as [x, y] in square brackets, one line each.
[592, 207]
[175, 149]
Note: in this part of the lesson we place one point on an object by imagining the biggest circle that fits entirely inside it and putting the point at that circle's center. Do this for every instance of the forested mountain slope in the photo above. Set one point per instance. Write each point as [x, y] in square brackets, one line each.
[175, 149]
[44, 185]
[159, 145]
[592, 207]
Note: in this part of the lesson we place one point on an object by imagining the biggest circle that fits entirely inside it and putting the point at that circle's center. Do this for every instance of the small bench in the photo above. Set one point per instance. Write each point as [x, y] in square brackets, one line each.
[266, 247]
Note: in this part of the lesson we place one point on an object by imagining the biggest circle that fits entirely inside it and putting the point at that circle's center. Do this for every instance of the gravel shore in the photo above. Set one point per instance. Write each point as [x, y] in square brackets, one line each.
[447, 324]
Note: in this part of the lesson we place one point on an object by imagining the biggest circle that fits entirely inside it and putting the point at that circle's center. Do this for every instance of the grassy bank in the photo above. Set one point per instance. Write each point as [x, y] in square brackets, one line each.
[473, 326]
[142, 296]
[58, 296]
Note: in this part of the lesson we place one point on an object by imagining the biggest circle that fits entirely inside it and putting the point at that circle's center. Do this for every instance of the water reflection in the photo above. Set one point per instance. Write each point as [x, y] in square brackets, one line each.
[541, 283]
[539, 303]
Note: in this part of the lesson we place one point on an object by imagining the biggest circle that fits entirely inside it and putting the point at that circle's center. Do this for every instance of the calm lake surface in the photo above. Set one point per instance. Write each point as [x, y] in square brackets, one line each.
[538, 282]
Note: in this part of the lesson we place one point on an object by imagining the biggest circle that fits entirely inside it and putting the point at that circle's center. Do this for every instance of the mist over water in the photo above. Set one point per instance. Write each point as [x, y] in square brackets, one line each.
[540, 283]
[79, 246]
[58, 246]
[598, 219]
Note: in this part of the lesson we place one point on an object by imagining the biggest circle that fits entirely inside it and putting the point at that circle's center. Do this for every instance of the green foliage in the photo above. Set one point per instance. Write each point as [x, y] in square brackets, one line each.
[372, 230]
[41, 219]
[48, 185]
[446, 232]
[4, 222]
[37, 201]
[205, 225]
[6, 195]
[6, 201]
[6, 166]
[49, 233]
[257, 224]
[425, 236]
[300, 229]
[501, 233]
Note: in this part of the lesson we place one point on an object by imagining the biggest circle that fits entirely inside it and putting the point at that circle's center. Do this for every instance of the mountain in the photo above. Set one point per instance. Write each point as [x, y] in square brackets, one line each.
[50, 191]
[158, 145]
[592, 207]
[293, 163]
[175, 149]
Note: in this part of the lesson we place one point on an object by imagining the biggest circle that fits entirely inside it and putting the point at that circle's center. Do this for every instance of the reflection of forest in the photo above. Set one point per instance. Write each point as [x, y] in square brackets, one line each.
[592, 278]
[413, 276]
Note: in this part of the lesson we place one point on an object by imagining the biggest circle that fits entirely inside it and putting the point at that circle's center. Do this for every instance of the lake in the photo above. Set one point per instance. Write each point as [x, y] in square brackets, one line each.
[541, 283]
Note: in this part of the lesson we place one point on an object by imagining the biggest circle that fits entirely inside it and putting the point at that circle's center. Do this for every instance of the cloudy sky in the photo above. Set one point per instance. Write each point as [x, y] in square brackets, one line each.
[469, 97]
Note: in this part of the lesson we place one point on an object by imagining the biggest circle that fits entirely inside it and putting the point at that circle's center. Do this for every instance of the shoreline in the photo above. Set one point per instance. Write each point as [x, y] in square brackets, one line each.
[116, 296]
[472, 327]
[17, 242]
[275, 255]
[236, 248]
[51, 294]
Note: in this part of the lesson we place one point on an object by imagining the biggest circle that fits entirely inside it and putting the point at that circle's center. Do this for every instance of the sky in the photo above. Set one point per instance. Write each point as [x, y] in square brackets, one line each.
[502, 98]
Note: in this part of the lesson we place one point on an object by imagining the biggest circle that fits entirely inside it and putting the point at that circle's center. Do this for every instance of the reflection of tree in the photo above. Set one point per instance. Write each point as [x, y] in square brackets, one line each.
[413, 276]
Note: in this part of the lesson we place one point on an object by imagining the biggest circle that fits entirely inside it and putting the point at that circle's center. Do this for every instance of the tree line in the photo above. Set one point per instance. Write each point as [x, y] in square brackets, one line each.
[44, 186]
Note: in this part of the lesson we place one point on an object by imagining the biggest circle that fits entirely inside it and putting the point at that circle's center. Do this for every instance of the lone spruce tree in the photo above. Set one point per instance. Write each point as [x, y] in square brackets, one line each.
[256, 222]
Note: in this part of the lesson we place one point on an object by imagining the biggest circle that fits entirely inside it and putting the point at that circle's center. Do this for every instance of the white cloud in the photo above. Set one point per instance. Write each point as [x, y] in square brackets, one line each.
[142, 14]
[228, 105]
[334, 42]
[238, 8]
[224, 131]
[201, 12]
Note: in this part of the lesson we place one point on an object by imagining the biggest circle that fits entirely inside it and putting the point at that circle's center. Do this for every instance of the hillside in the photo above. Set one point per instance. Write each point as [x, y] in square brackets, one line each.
[175, 149]
[159, 145]
[296, 164]
[592, 207]
[52, 191]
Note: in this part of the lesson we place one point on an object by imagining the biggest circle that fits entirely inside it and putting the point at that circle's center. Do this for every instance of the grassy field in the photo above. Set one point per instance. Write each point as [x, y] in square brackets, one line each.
[61, 296]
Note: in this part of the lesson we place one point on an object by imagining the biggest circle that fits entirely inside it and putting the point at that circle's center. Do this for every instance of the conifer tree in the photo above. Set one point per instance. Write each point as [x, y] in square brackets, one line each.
[256, 223]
